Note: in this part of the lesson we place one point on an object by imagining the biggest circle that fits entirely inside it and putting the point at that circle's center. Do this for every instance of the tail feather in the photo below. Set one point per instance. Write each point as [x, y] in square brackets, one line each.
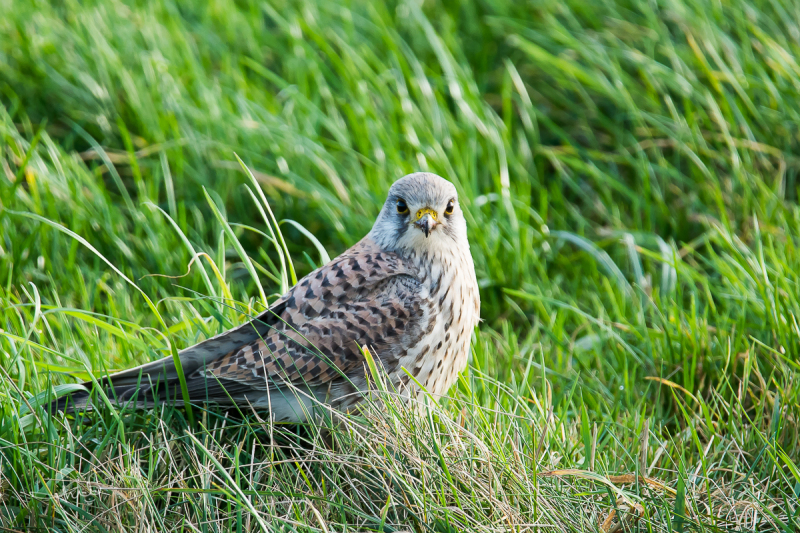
[70, 402]
[158, 380]
[140, 393]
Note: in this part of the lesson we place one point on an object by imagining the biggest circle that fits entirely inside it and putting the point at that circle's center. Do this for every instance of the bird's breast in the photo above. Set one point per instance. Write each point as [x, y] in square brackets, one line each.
[451, 307]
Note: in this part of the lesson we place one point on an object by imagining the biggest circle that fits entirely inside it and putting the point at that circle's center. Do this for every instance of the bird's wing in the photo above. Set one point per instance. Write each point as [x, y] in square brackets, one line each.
[199, 355]
[364, 297]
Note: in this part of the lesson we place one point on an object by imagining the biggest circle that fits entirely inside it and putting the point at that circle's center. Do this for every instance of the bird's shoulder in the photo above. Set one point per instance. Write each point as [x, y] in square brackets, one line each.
[363, 272]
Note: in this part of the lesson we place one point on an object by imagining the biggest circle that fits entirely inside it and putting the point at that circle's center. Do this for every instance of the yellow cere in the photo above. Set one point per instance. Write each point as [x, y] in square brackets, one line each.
[427, 211]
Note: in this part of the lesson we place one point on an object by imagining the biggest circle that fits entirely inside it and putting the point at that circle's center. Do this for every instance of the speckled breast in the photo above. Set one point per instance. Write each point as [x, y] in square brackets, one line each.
[453, 308]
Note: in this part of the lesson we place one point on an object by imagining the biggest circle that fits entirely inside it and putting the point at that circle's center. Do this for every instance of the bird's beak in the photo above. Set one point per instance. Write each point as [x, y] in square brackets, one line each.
[427, 219]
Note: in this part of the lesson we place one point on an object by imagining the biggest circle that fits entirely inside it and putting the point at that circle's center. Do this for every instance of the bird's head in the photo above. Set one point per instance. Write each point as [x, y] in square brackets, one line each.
[421, 214]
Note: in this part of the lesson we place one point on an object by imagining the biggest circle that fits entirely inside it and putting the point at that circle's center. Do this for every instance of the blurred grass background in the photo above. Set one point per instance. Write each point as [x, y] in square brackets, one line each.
[629, 172]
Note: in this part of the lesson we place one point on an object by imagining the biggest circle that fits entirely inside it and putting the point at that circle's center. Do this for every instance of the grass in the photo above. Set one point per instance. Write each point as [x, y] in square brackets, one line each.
[629, 173]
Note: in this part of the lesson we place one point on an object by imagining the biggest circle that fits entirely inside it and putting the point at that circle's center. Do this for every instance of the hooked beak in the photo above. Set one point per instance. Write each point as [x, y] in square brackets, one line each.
[426, 220]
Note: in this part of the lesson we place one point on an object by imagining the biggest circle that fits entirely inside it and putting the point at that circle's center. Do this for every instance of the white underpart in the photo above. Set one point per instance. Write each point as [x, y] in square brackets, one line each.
[287, 404]
[441, 366]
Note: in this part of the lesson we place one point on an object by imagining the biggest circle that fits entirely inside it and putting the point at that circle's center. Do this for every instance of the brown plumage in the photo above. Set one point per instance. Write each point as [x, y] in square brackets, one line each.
[407, 291]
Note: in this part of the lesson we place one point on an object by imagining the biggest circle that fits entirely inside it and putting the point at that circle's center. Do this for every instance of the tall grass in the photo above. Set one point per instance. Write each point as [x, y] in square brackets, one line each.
[629, 176]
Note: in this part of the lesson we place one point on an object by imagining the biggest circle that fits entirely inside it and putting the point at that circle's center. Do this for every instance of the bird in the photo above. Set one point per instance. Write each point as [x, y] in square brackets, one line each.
[407, 292]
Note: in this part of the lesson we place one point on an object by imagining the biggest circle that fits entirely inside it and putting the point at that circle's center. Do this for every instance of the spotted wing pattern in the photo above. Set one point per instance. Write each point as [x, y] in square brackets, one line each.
[365, 297]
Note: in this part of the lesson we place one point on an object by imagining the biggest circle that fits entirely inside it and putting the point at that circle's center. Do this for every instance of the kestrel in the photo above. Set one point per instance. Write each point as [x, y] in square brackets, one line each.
[407, 292]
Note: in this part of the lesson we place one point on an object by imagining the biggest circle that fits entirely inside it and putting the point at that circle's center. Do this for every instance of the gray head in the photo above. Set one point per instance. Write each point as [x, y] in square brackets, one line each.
[422, 215]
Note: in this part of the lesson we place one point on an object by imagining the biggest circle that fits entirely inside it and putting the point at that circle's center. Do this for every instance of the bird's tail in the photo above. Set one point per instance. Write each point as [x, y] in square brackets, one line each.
[158, 381]
[137, 387]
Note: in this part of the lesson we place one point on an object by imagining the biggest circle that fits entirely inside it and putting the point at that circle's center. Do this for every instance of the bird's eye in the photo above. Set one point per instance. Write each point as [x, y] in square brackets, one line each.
[450, 206]
[402, 208]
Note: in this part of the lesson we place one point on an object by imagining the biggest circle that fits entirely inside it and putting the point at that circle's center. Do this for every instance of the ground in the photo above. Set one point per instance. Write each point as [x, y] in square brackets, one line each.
[628, 169]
